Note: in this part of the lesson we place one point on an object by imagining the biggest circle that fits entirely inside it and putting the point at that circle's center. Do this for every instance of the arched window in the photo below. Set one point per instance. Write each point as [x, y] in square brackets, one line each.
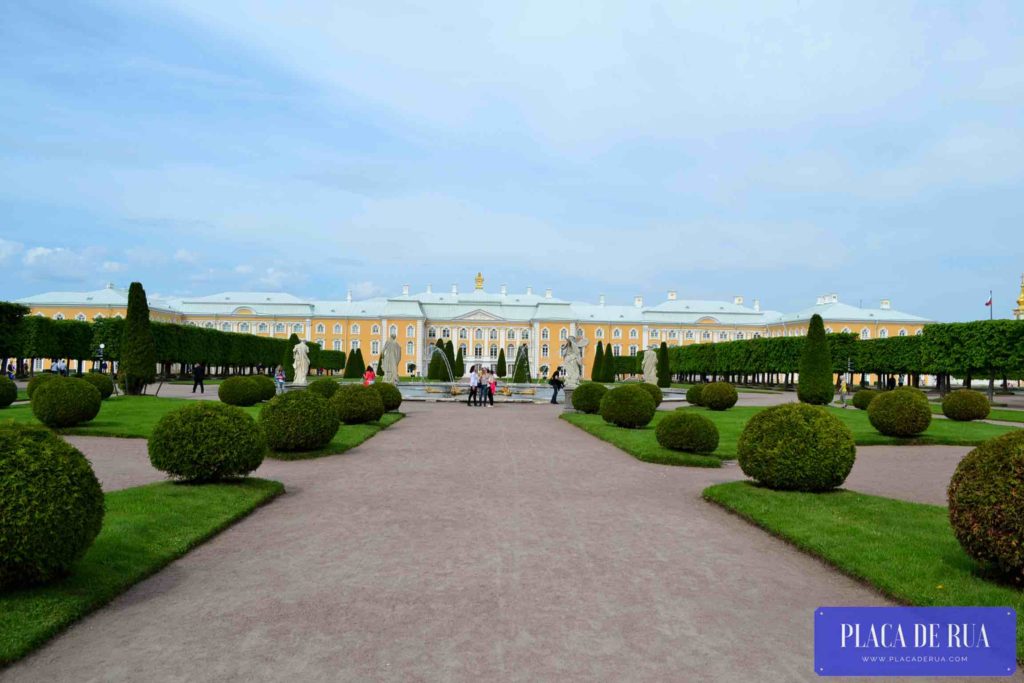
[525, 336]
[354, 344]
[463, 333]
[706, 335]
[617, 350]
[280, 327]
[883, 333]
[80, 317]
[599, 333]
[723, 336]
[544, 334]
[337, 328]
[462, 347]
[563, 333]
[244, 327]
[58, 316]
[98, 316]
[632, 349]
[320, 343]
[320, 329]
[337, 345]
[757, 335]
[918, 333]
[355, 330]
[511, 334]
[263, 327]
[739, 336]
[510, 351]
[865, 333]
[375, 329]
[297, 327]
[393, 331]
[494, 351]
[208, 325]
[672, 334]
[432, 332]
[446, 333]
[226, 327]
[119, 316]
[410, 331]
[828, 330]
[544, 350]
[633, 333]
[494, 333]
[903, 333]
[478, 333]
[846, 330]
[375, 347]
[689, 334]
[478, 351]
[616, 333]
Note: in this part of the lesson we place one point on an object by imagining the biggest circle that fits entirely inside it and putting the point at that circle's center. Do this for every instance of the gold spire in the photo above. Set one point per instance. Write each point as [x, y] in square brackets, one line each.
[1020, 299]
[480, 282]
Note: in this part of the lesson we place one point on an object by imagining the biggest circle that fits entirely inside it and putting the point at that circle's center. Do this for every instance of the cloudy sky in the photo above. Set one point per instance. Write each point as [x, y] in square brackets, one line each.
[874, 149]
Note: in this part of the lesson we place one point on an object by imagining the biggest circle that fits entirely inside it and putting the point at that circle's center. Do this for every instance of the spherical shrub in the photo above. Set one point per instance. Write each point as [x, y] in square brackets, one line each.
[8, 392]
[900, 412]
[964, 405]
[693, 394]
[719, 396]
[587, 397]
[207, 441]
[628, 406]
[38, 380]
[356, 404]
[863, 397]
[798, 447]
[324, 386]
[65, 402]
[986, 504]
[266, 388]
[687, 431]
[390, 396]
[51, 505]
[298, 421]
[102, 382]
[239, 391]
[654, 390]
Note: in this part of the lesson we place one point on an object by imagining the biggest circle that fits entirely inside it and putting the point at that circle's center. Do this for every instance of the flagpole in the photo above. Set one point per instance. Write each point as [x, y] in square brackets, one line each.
[991, 305]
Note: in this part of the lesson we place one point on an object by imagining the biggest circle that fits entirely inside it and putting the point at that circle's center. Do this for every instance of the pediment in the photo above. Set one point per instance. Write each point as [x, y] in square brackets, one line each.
[480, 315]
[708, 320]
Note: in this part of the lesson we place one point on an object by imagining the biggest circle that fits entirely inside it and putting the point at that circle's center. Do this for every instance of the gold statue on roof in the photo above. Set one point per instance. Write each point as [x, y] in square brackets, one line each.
[479, 280]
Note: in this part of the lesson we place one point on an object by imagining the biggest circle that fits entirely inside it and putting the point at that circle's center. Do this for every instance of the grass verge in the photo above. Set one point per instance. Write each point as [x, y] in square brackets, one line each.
[145, 528]
[640, 443]
[905, 550]
[348, 436]
[995, 414]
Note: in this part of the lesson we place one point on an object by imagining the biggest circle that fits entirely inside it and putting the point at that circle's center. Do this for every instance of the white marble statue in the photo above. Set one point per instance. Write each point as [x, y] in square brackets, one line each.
[651, 366]
[389, 360]
[572, 354]
[300, 356]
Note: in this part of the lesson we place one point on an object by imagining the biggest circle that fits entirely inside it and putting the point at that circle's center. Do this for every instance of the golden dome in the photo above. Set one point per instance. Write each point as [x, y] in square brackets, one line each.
[480, 282]
[1020, 299]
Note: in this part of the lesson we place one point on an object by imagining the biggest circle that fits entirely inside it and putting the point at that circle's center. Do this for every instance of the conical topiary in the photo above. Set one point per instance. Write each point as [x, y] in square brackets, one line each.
[501, 369]
[138, 350]
[288, 361]
[815, 381]
[522, 366]
[598, 366]
[664, 370]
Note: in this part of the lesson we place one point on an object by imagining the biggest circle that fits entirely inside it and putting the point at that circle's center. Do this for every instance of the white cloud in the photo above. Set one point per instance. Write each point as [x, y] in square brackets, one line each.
[243, 269]
[365, 290]
[62, 264]
[278, 278]
[186, 256]
[112, 267]
[9, 249]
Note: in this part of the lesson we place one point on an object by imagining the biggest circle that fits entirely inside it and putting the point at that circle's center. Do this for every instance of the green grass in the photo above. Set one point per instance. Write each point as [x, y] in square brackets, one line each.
[22, 395]
[640, 443]
[144, 529]
[348, 436]
[996, 414]
[905, 550]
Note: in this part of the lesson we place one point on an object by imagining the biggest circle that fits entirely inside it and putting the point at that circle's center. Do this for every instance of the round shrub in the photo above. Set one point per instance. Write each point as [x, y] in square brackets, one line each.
[324, 386]
[654, 390]
[8, 391]
[797, 447]
[587, 397]
[986, 504]
[964, 405]
[265, 386]
[51, 505]
[390, 396]
[628, 406]
[863, 397]
[719, 396]
[207, 441]
[900, 412]
[298, 421]
[693, 394]
[102, 382]
[65, 402]
[38, 380]
[356, 404]
[239, 391]
[687, 431]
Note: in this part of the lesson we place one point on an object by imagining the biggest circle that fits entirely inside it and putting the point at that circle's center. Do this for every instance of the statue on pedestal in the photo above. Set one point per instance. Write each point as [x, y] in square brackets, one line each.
[651, 365]
[389, 360]
[572, 354]
[300, 360]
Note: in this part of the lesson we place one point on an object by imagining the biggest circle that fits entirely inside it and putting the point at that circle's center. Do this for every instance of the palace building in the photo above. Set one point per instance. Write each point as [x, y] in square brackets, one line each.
[482, 322]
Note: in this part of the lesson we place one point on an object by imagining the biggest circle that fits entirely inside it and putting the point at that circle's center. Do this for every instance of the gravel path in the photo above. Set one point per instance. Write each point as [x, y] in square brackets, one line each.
[467, 544]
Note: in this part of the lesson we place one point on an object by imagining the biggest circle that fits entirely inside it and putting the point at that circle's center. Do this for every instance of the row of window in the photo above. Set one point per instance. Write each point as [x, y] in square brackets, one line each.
[480, 333]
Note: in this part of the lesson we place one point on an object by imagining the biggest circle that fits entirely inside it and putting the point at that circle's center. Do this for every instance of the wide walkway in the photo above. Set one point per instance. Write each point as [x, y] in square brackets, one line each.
[469, 544]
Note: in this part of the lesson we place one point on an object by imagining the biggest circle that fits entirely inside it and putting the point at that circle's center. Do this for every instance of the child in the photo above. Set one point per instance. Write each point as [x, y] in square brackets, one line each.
[369, 376]
[279, 379]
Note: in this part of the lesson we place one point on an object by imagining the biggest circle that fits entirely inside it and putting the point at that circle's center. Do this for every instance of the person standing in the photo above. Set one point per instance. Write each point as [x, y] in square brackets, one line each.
[556, 384]
[474, 386]
[842, 391]
[279, 379]
[369, 377]
[492, 387]
[198, 375]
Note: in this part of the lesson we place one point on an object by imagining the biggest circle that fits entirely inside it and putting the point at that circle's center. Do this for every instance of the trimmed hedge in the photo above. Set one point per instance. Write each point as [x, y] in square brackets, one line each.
[298, 421]
[390, 396]
[65, 402]
[719, 395]
[900, 412]
[796, 447]
[654, 390]
[628, 406]
[102, 382]
[964, 405]
[986, 504]
[51, 505]
[324, 386]
[687, 431]
[38, 380]
[207, 441]
[266, 387]
[239, 391]
[8, 391]
[357, 404]
[693, 394]
[862, 398]
[587, 397]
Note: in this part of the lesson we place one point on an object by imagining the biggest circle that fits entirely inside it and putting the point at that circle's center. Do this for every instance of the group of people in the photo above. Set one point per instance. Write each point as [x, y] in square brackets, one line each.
[482, 386]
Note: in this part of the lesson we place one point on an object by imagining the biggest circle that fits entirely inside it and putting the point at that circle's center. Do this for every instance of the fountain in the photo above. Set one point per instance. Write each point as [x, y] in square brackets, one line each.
[452, 387]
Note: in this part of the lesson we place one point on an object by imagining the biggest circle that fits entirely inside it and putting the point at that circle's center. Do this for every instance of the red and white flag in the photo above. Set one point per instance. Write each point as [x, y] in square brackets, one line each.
[989, 302]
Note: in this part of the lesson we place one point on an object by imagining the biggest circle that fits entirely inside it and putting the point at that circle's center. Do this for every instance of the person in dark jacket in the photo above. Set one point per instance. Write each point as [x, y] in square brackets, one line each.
[198, 375]
[556, 384]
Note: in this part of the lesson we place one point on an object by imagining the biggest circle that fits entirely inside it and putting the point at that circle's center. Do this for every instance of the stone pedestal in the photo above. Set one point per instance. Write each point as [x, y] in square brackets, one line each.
[567, 395]
[292, 386]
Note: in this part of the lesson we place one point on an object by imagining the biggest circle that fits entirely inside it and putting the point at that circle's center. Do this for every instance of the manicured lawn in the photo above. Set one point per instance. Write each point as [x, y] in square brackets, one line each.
[640, 443]
[145, 528]
[996, 414]
[22, 395]
[905, 550]
[348, 436]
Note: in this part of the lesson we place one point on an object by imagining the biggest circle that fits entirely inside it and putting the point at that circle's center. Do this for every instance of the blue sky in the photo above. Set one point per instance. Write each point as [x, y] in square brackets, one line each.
[872, 149]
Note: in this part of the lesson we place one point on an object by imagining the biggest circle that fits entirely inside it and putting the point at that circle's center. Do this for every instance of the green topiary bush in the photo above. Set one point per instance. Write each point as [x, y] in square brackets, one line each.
[102, 382]
[324, 386]
[266, 388]
[986, 504]
[687, 431]
[298, 421]
[964, 405]
[862, 398]
[900, 412]
[693, 394]
[390, 396]
[796, 447]
[815, 382]
[38, 380]
[718, 396]
[65, 402]
[8, 391]
[587, 397]
[51, 505]
[628, 406]
[207, 441]
[356, 404]
[654, 390]
[239, 391]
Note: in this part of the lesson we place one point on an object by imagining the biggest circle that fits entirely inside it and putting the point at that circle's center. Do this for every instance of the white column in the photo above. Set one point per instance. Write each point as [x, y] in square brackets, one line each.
[309, 329]
[645, 337]
[419, 347]
[535, 344]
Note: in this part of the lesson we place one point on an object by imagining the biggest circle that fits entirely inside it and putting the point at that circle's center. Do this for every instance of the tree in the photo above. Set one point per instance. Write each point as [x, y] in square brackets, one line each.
[664, 369]
[138, 350]
[288, 359]
[10, 324]
[815, 382]
[521, 371]
[598, 368]
[608, 366]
